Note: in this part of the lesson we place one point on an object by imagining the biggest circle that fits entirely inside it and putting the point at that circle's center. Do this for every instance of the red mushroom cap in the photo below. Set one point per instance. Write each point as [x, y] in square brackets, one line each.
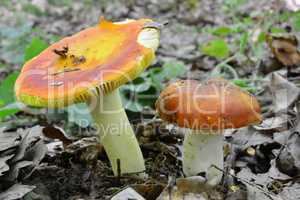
[215, 104]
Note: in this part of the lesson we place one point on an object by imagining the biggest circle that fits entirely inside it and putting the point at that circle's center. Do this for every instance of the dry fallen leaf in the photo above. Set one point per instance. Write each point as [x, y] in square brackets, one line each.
[289, 158]
[284, 92]
[291, 191]
[9, 140]
[284, 48]
[247, 137]
[175, 194]
[87, 149]
[128, 193]
[3, 165]
[149, 190]
[274, 124]
[26, 149]
[15, 169]
[15, 192]
[257, 184]
[55, 132]
[190, 188]
[29, 138]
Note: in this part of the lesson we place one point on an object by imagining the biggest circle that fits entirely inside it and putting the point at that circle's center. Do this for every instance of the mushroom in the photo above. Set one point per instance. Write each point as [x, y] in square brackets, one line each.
[89, 67]
[203, 111]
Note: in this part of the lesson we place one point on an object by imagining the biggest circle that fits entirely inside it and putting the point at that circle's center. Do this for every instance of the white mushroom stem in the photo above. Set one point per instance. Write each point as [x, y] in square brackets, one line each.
[116, 135]
[202, 150]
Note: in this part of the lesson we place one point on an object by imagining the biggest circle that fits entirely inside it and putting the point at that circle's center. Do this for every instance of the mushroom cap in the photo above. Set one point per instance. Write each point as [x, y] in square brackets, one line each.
[215, 104]
[92, 62]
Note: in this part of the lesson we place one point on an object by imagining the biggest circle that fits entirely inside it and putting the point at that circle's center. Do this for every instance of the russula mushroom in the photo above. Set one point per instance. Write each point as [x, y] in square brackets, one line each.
[203, 111]
[89, 67]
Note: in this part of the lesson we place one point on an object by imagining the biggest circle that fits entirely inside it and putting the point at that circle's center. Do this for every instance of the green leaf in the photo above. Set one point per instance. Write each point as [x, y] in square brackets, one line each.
[36, 46]
[80, 115]
[234, 4]
[243, 42]
[132, 105]
[2, 103]
[240, 82]
[247, 21]
[277, 30]
[168, 71]
[173, 69]
[129, 102]
[140, 84]
[296, 23]
[284, 16]
[157, 77]
[137, 87]
[7, 88]
[217, 48]
[261, 37]
[33, 9]
[222, 31]
[9, 110]
[67, 3]
[244, 84]
[258, 50]
[143, 91]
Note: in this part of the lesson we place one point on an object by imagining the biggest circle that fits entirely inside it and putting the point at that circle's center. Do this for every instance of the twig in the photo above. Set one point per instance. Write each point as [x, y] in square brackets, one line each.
[224, 64]
[181, 57]
[119, 170]
[267, 193]
[226, 61]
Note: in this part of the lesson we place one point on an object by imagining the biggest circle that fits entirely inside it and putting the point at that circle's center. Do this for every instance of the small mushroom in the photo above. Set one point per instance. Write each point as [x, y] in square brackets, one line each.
[203, 111]
[111, 54]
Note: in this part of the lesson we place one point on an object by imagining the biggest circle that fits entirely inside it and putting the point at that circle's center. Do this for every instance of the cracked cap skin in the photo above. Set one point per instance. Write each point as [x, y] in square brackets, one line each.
[92, 62]
[215, 104]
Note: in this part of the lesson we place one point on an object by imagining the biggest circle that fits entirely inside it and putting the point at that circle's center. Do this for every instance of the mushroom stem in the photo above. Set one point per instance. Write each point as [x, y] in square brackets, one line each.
[201, 150]
[116, 135]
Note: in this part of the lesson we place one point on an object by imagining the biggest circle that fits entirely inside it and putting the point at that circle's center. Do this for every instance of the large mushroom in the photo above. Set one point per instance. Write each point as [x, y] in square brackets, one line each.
[89, 66]
[204, 110]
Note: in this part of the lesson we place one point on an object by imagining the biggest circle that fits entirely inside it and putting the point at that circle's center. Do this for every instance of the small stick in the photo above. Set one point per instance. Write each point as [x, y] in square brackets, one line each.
[119, 170]
[267, 193]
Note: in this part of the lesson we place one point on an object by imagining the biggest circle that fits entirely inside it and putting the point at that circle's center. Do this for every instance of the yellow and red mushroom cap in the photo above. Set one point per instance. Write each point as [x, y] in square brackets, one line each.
[92, 62]
[213, 105]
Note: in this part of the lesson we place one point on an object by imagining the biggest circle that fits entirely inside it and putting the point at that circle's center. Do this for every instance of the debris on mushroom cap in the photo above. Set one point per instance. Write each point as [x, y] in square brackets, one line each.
[215, 104]
[92, 62]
